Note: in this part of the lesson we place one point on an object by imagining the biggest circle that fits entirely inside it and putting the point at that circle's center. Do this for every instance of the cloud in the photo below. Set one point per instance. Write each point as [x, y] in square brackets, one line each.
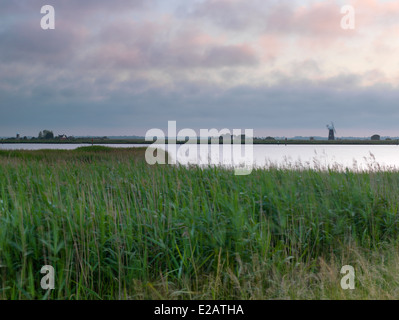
[128, 44]
[26, 43]
[74, 9]
[132, 65]
[232, 14]
[294, 105]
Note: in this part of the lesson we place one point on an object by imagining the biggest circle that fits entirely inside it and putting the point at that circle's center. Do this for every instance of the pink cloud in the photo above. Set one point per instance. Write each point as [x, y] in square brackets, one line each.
[271, 46]
[162, 45]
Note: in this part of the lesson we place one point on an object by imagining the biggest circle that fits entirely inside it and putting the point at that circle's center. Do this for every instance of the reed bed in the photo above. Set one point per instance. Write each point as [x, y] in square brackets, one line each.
[114, 227]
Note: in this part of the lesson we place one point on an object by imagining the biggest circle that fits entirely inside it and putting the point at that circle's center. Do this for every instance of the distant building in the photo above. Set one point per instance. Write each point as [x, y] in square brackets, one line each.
[63, 137]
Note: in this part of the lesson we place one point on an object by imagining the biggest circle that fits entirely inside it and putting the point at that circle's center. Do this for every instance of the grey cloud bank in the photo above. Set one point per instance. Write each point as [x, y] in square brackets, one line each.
[266, 109]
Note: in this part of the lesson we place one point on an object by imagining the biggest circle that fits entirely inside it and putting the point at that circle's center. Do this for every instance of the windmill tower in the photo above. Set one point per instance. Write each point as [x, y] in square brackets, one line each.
[331, 131]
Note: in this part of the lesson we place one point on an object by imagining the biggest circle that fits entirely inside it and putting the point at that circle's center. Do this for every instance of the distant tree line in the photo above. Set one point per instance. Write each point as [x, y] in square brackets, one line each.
[46, 134]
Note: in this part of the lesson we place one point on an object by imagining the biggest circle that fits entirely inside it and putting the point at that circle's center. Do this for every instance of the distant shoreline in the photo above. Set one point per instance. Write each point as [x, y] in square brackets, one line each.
[255, 142]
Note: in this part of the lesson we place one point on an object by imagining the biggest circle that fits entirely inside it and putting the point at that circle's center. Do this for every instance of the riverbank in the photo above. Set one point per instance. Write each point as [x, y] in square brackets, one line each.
[114, 227]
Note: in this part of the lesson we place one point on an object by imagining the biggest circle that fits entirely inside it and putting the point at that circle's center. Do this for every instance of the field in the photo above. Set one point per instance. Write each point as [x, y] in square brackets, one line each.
[114, 227]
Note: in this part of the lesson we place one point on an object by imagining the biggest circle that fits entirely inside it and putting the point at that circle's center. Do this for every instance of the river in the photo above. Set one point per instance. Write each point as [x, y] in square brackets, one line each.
[354, 157]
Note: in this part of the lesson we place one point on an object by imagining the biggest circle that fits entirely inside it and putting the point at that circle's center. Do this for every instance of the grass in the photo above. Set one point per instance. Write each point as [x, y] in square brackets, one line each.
[114, 227]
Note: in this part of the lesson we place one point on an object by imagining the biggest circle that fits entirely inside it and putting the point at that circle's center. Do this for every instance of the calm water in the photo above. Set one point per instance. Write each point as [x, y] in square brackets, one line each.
[338, 156]
[353, 157]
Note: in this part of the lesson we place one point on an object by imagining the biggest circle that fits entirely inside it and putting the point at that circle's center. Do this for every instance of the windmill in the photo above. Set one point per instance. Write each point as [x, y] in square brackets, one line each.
[331, 131]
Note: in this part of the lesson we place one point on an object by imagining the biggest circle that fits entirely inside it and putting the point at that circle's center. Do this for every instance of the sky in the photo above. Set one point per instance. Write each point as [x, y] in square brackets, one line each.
[122, 67]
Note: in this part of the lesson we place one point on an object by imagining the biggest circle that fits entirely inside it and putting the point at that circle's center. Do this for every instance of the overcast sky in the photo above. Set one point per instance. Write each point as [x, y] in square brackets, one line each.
[122, 67]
